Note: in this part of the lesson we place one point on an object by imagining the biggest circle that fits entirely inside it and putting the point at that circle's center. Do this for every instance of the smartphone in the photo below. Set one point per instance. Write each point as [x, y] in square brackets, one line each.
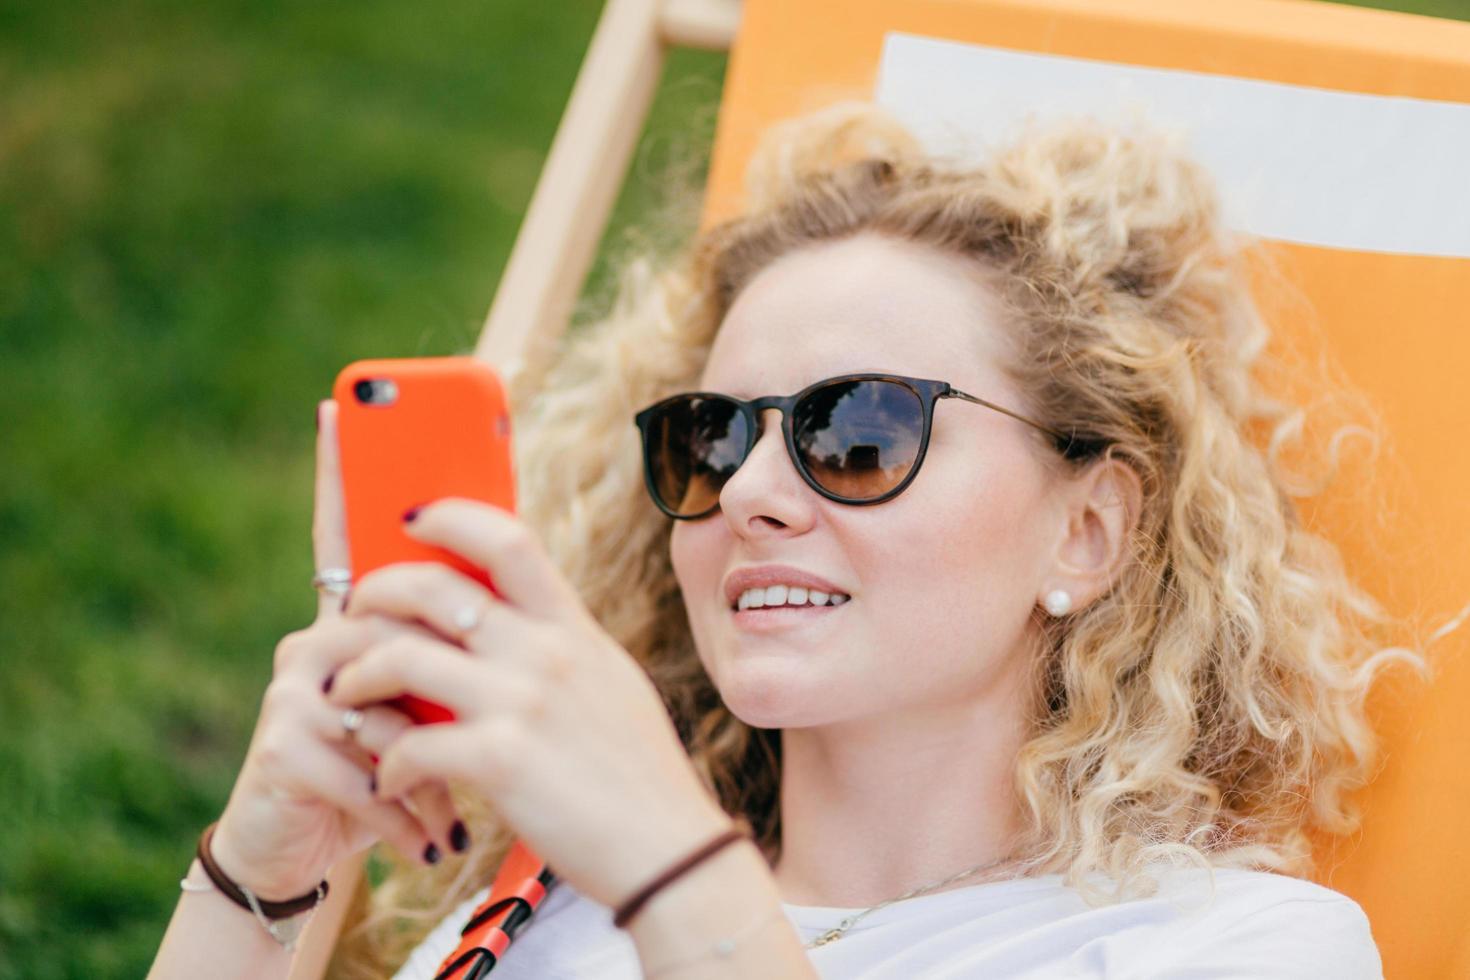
[411, 431]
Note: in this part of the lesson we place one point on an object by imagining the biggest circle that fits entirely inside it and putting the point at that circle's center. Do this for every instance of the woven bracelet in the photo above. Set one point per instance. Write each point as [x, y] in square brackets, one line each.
[631, 906]
[238, 895]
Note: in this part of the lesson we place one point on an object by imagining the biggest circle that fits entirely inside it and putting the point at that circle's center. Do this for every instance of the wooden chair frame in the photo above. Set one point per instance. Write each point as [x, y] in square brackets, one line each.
[587, 165]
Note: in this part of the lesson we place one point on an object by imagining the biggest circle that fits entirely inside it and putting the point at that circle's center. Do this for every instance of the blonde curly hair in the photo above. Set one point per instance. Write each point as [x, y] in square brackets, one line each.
[1209, 708]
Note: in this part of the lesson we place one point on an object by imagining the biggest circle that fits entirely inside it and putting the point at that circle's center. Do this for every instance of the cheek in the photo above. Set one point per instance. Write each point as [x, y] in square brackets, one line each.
[698, 551]
[697, 560]
[681, 556]
[963, 563]
[982, 540]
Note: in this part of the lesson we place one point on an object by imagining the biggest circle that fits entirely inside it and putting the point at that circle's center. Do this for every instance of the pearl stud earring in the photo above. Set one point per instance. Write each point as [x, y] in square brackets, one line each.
[1058, 602]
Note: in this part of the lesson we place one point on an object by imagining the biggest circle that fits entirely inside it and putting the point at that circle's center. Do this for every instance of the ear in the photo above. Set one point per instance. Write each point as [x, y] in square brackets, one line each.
[1103, 505]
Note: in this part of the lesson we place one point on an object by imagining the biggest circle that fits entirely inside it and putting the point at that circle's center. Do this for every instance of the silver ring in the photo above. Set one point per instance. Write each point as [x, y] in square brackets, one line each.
[466, 619]
[332, 581]
[352, 720]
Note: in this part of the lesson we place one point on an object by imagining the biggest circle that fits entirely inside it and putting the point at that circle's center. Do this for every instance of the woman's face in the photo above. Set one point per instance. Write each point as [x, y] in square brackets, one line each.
[943, 577]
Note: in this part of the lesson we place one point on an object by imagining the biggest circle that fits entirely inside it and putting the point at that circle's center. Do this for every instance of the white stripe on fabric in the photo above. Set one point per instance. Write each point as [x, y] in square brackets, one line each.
[1364, 172]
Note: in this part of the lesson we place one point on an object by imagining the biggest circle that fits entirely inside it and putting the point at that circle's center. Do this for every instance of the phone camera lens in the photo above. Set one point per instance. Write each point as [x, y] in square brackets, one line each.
[376, 391]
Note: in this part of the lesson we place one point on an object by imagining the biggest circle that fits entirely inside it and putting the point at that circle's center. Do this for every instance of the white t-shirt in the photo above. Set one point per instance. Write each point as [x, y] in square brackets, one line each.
[1260, 926]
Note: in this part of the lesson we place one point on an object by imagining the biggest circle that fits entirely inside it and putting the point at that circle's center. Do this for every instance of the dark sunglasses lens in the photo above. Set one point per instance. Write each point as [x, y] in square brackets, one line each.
[694, 445]
[859, 439]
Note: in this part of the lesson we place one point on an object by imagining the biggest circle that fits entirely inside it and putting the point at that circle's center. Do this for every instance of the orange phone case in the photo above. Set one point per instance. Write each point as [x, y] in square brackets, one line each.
[445, 433]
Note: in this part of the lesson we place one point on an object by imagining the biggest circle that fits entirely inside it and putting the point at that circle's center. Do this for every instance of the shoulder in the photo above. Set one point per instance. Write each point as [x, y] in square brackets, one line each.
[1262, 924]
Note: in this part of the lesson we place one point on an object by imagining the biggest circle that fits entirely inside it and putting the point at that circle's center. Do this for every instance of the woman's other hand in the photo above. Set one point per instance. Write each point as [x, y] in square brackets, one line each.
[557, 726]
[303, 798]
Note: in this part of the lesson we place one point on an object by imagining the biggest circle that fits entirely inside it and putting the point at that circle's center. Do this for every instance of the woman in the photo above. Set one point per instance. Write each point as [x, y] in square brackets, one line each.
[1057, 692]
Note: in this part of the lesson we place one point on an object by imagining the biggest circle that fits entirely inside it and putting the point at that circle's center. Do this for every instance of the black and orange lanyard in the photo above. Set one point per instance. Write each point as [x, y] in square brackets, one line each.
[520, 885]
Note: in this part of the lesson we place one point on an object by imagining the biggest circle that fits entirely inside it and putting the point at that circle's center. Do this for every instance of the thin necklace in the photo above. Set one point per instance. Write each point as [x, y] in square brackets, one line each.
[835, 933]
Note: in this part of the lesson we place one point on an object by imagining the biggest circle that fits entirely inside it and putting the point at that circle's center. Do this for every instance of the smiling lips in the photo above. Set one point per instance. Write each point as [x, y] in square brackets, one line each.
[763, 619]
[780, 592]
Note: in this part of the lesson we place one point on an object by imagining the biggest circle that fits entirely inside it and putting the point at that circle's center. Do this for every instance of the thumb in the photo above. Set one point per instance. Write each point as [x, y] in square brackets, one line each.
[329, 518]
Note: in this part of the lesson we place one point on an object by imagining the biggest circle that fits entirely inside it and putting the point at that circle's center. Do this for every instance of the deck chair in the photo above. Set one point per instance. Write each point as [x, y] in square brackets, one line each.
[1340, 135]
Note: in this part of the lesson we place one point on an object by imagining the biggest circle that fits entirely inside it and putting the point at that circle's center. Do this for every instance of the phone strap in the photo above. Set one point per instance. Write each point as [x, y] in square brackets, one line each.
[520, 885]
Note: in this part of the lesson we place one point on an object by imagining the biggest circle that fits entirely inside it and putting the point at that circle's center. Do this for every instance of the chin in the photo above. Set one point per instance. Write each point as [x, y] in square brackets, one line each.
[774, 699]
[775, 720]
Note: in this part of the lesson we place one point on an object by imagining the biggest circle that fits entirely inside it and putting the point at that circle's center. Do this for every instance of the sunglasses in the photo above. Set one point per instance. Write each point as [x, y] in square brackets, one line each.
[855, 439]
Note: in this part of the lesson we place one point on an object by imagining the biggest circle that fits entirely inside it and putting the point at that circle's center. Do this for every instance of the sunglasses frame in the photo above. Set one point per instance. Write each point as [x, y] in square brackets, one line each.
[928, 391]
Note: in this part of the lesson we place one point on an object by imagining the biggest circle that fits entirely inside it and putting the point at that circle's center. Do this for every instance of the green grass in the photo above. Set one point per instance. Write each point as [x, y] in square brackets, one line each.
[206, 209]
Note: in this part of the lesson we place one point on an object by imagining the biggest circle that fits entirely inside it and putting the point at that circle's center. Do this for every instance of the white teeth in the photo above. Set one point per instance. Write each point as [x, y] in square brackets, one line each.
[782, 595]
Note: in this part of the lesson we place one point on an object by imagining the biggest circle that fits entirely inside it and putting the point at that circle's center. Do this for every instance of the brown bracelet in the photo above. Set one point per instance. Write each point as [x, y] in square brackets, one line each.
[631, 906]
[236, 894]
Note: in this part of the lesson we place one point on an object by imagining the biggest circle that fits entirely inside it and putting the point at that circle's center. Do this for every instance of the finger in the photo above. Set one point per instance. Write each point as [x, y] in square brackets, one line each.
[406, 664]
[378, 728]
[337, 780]
[431, 803]
[453, 604]
[318, 650]
[427, 755]
[329, 518]
[504, 546]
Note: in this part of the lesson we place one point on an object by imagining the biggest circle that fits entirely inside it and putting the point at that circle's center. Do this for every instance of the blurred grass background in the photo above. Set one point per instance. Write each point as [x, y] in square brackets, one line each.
[206, 209]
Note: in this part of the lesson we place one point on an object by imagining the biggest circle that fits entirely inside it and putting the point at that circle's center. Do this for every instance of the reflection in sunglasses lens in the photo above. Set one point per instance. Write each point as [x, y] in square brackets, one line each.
[859, 439]
[697, 444]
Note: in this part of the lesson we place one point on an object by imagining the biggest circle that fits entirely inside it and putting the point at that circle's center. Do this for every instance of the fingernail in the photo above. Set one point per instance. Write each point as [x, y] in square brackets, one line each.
[410, 514]
[431, 854]
[459, 838]
[327, 684]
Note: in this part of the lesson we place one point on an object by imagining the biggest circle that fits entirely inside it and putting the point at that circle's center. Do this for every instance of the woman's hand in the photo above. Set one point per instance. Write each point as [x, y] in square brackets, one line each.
[303, 799]
[556, 725]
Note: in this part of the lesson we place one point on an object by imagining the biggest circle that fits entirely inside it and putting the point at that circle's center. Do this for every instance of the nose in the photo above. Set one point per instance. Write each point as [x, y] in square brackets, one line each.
[767, 492]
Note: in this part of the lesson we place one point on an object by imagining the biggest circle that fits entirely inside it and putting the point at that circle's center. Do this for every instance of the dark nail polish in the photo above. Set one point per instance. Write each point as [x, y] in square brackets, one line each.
[459, 838]
[327, 684]
[410, 514]
[431, 854]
